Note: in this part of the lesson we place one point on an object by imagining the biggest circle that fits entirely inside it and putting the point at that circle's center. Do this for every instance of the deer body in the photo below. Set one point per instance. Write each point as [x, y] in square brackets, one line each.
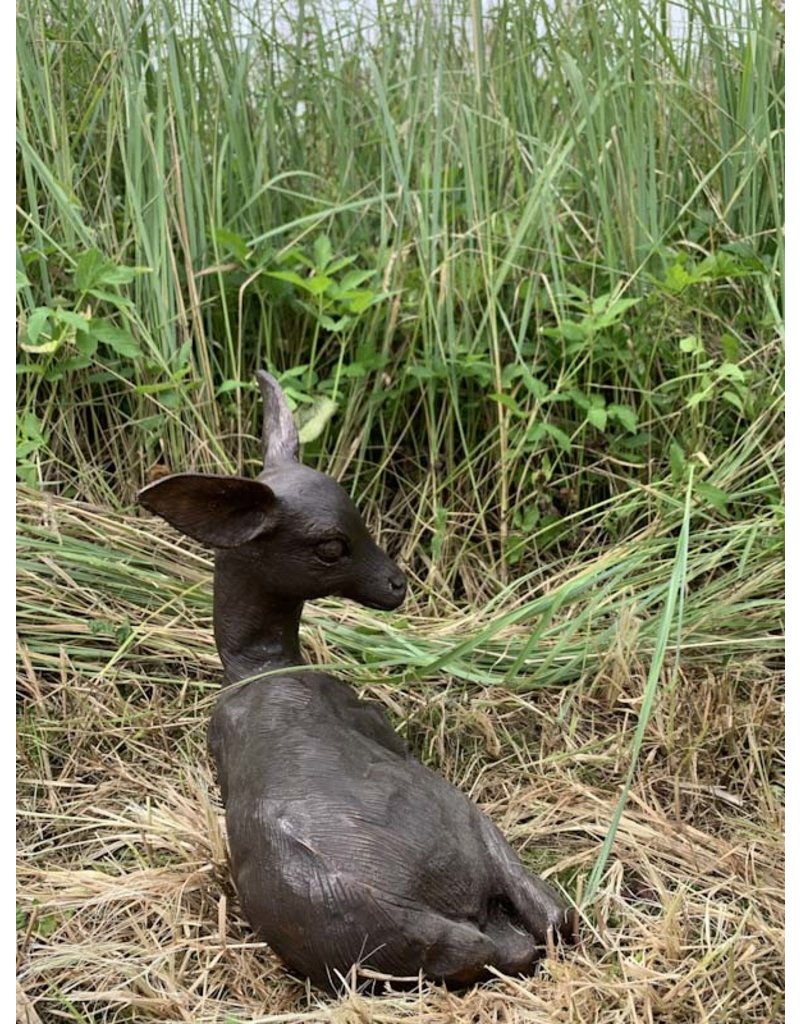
[344, 849]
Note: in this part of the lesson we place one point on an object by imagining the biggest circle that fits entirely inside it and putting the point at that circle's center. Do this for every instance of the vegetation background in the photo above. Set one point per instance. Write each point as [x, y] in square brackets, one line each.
[519, 267]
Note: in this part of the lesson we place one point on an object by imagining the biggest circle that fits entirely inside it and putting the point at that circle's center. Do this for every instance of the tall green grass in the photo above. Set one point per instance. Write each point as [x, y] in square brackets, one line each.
[519, 266]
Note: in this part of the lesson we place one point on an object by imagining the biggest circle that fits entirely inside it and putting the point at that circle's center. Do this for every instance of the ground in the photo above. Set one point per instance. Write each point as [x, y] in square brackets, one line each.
[125, 906]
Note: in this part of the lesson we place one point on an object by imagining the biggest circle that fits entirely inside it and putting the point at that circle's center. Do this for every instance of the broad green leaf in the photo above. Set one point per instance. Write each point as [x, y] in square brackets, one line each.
[508, 402]
[37, 322]
[22, 281]
[120, 275]
[354, 278]
[715, 496]
[112, 298]
[322, 251]
[362, 301]
[89, 267]
[231, 385]
[730, 347]
[117, 339]
[624, 415]
[730, 371]
[691, 344]
[234, 243]
[287, 275]
[72, 319]
[597, 416]
[333, 325]
[316, 285]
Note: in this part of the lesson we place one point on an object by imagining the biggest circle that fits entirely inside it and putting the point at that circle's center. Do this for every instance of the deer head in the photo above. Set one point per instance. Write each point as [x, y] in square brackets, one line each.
[294, 527]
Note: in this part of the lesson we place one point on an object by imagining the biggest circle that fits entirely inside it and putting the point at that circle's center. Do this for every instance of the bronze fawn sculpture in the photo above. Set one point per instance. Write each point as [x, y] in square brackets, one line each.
[345, 850]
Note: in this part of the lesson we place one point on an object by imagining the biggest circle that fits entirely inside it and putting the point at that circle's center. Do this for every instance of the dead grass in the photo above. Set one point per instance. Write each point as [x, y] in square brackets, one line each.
[126, 911]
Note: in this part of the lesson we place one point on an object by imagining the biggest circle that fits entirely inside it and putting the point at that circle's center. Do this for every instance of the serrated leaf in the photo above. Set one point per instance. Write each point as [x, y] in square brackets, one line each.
[733, 399]
[88, 269]
[580, 399]
[31, 426]
[354, 278]
[625, 415]
[118, 275]
[316, 285]
[363, 301]
[677, 461]
[314, 422]
[597, 416]
[340, 264]
[234, 243]
[730, 371]
[286, 275]
[72, 319]
[421, 372]
[538, 430]
[112, 298]
[691, 344]
[322, 251]
[117, 339]
[730, 347]
[85, 342]
[714, 495]
[37, 322]
[509, 402]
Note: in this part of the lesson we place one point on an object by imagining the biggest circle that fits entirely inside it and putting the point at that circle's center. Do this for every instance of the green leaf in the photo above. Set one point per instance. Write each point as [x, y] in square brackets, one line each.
[508, 402]
[46, 925]
[730, 348]
[112, 298]
[538, 430]
[119, 275]
[231, 385]
[32, 427]
[89, 267]
[340, 264]
[287, 275]
[597, 416]
[117, 339]
[715, 496]
[354, 278]
[580, 398]
[71, 319]
[332, 325]
[22, 281]
[234, 243]
[677, 461]
[730, 371]
[733, 399]
[322, 251]
[316, 285]
[37, 322]
[363, 300]
[625, 415]
[691, 344]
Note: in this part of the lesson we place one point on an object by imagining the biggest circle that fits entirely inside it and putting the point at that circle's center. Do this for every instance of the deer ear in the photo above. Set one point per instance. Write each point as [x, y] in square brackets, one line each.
[279, 438]
[221, 511]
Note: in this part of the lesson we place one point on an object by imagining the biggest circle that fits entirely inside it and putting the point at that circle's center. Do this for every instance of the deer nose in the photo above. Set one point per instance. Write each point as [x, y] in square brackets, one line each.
[397, 582]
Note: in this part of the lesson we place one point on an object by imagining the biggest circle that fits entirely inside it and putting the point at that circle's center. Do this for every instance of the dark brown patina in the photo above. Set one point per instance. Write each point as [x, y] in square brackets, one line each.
[345, 849]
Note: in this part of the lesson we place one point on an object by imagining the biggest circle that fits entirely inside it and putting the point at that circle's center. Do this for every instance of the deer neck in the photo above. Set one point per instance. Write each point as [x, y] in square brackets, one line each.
[256, 630]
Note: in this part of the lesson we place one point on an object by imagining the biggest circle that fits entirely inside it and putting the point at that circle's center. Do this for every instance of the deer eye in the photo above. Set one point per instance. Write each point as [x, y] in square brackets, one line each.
[331, 550]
